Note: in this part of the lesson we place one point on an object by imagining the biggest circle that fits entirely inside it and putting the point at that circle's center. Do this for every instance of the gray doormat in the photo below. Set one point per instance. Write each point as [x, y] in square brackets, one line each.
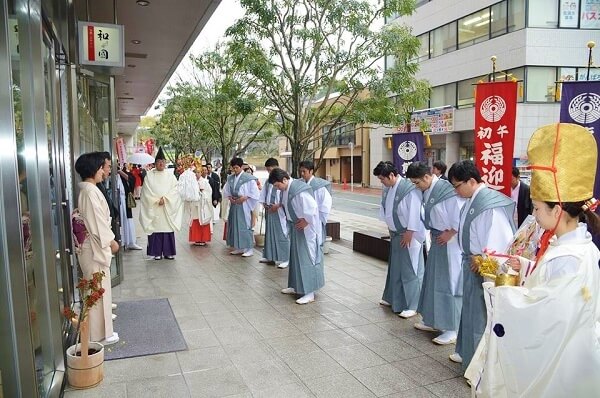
[145, 327]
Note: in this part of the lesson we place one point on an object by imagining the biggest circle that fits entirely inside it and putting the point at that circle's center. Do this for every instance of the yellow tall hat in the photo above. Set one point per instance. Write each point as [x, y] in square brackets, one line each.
[562, 158]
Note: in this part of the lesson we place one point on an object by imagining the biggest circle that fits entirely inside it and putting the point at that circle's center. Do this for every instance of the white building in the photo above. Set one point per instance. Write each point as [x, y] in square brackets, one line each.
[538, 42]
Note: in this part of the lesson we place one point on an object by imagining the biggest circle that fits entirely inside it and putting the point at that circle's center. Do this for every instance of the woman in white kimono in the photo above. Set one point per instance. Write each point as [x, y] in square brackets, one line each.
[201, 212]
[99, 244]
[542, 339]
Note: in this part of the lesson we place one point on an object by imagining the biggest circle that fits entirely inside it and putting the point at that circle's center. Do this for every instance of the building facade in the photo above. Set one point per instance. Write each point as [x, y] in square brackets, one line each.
[537, 42]
[52, 109]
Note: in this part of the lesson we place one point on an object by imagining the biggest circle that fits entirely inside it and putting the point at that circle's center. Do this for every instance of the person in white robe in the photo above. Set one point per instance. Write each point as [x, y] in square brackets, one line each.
[198, 208]
[441, 294]
[161, 210]
[401, 211]
[321, 192]
[306, 274]
[277, 241]
[486, 224]
[242, 193]
[542, 339]
[99, 244]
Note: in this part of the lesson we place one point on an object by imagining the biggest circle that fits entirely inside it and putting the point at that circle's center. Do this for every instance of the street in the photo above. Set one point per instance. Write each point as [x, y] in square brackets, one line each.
[355, 203]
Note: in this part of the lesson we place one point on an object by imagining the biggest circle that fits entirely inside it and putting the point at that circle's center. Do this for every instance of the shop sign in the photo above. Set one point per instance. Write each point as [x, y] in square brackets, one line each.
[590, 14]
[101, 44]
[438, 120]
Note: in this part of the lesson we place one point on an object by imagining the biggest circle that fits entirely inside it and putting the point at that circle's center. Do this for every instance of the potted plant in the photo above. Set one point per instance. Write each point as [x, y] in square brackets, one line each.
[85, 359]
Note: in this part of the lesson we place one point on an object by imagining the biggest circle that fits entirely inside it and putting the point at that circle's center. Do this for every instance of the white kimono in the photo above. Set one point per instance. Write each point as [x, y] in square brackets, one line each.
[410, 219]
[156, 218]
[96, 255]
[202, 209]
[265, 197]
[543, 339]
[250, 190]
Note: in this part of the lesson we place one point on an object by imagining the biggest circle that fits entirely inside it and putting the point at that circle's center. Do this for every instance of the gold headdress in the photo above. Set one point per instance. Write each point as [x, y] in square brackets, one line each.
[563, 160]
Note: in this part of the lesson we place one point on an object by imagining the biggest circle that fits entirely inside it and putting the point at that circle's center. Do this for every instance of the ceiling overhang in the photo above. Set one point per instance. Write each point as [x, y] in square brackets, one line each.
[157, 38]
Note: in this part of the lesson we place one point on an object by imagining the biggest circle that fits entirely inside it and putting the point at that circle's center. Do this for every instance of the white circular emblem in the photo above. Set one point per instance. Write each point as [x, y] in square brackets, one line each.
[407, 150]
[471, 211]
[585, 108]
[431, 201]
[492, 108]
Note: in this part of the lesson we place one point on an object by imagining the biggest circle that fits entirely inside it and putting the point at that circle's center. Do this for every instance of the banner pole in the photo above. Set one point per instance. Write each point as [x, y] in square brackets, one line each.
[493, 58]
[590, 46]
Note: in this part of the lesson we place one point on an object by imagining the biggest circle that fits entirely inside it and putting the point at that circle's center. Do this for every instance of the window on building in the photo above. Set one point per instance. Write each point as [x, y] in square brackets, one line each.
[443, 39]
[340, 136]
[498, 19]
[594, 74]
[443, 95]
[540, 84]
[543, 14]
[390, 61]
[518, 74]
[424, 49]
[516, 15]
[569, 13]
[466, 91]
[590, 14]
[474, 28]
[567, 74]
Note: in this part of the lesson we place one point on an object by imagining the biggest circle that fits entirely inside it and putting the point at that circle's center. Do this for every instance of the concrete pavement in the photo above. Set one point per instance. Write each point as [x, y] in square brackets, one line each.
[246, 339]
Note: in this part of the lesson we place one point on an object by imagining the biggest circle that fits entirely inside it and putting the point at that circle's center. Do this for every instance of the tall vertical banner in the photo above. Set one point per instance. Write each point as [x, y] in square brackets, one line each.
[121, 151]
[495, 115]
[407, 148]
[580, 104]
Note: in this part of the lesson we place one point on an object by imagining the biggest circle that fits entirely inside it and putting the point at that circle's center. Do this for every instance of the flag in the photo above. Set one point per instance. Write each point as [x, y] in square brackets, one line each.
[495, 115]
[580, 104]
[407, 148]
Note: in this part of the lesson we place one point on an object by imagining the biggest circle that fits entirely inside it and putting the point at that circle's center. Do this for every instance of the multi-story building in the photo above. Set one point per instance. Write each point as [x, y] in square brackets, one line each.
[538, 42]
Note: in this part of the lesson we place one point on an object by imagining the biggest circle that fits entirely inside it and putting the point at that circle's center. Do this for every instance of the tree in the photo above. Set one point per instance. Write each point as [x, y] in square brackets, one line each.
[218, 110]
[316, 62]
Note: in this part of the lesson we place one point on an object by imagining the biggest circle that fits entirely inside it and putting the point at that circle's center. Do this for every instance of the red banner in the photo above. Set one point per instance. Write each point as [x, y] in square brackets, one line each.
[121, 151]
[495, 115]
[91, 40]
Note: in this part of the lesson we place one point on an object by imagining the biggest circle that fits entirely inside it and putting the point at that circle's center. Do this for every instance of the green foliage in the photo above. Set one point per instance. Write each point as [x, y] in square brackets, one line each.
[219, 111]
[314, 60]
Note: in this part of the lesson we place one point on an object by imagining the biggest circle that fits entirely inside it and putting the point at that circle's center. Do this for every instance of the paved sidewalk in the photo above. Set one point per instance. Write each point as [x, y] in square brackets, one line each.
[246, 339]
[357, 189]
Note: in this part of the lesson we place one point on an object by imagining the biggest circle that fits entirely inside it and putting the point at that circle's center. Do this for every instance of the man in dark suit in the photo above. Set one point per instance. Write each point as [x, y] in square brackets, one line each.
[520, 195]
[214, 185]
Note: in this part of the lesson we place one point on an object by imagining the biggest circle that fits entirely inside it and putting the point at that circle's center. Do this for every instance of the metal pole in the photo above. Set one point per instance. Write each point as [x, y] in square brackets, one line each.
[351, 167]
[590, 45]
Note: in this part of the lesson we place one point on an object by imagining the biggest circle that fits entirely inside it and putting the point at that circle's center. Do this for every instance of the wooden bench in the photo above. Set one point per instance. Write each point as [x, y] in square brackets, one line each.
[374, 244]
[332, 228]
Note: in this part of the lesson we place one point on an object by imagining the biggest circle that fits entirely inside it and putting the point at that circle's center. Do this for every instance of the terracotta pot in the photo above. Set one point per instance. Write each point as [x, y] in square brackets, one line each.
[85, 371]
[260, 240]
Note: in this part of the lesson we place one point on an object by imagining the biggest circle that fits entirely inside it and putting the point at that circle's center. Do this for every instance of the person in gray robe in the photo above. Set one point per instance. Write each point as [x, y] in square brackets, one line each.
[401, 210]
[486, 223]
[441, 294]
[277, 241]
[306, 274]
[321, 192]
[242, 192]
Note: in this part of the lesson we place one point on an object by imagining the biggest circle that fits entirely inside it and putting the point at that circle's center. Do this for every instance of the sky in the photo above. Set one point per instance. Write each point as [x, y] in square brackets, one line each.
[227, 12]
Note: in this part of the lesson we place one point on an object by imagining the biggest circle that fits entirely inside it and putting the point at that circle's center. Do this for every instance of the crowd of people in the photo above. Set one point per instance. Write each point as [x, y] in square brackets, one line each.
[536, 338]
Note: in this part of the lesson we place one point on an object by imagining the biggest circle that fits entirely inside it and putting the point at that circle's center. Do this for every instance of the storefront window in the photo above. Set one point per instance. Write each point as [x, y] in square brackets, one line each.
[512, 74]
[543, 13]
[474, 28]
[443, 39]
[541, 84]
[499, 19]
[516, 15]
